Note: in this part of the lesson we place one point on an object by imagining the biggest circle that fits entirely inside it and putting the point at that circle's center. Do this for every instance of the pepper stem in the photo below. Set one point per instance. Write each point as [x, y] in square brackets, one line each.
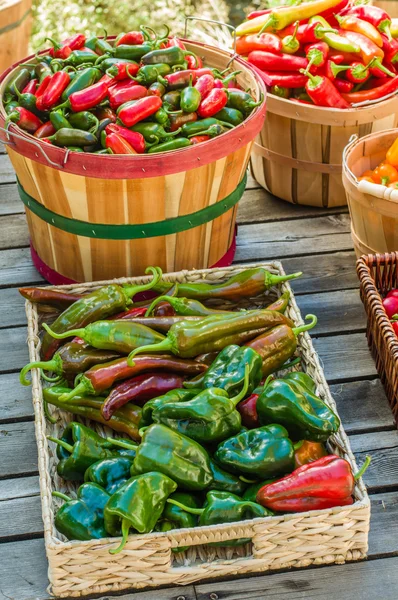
[79, 389]
[245, 480]
[126, 524]
[163, 346]
[122, 443]
[236, 399]
[271, 280]
[49, 418]
[298, 445]
[269, 23]
[50, 379]
[49, 365]
[61, 443]
[156, 302]
[266, 382]
[394, 318]
[363, 468]
[188, 509]
[65, 334]
[376, 63]
[61, 495]
[132, 290]
[306, 327]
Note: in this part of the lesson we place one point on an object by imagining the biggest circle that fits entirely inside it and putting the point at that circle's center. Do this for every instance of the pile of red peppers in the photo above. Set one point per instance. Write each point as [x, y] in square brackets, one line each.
[390, 304]
[330, 53]
[142, 93]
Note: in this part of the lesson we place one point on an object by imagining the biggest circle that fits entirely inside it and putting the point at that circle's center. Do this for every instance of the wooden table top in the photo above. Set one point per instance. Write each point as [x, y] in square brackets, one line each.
[315, 241]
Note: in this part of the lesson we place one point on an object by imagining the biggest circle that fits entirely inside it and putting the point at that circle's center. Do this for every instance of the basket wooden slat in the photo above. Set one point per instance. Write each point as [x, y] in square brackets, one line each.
[378, 274]
[297, 540]
[15, 26]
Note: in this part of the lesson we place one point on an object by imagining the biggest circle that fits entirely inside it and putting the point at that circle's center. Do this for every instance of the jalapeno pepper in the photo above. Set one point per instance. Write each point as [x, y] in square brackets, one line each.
[84, 120]
[87, 98]
[204, 85]
[135, 139]
[195, 128]
[83, 79]
[30, 88]
[132, 52]
[73, 137]
[132, 113]
[242, 101]
[199, 139]
[122, 69]
[179, 79]
[132, 38]
[42, 71]
[175, 144]
[18, 82]
[172, 99]
[59, 121]
[156, 89]
[149, 73]
[212, 103]
[178, 120]
[25, 119]
[78, 57]
[45, 130]
[124, 92]
[230, 115]
[154, 132]
[118, 145]
[169, 56]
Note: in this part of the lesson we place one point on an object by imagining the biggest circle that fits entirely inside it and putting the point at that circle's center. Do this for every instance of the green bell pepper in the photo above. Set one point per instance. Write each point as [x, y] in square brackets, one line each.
[259, 453]
[175, 455]
[173, 396]
[291, 404]
[138, 504]
[83, 518]
[110, 473]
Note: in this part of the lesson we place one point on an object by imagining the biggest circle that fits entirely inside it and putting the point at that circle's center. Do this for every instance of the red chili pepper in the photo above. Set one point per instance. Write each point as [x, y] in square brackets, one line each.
[42, 86]
[326, 482]
[258, 13]
[181, 79]
[89, 97]
[75, 42]
[30, 88]
[121, 71]
[316, 54]
[124, 92]
[323, 93]
[118, 145]
[266, 61]
[59, 50]
[132, 113]
[335, 10]
[53, 92]
[204, 85]
[24, 119]
[177, 121]
[46, 140]
[357, 72]
[213, 103]
[286, 79]
[373, 14]
[343, 85]
[338, 57]
[306, 33]
[373, 94]
[203, 71]
[132, 38]
[44, 130]
[137, 142]
[194, 62]
[107, 79]
[390, 48]
[368, 49]
[248, 412]
[198, 139]
[266, 41]
[175, 41]
[139, 389]
[390, 305]
[136, 311]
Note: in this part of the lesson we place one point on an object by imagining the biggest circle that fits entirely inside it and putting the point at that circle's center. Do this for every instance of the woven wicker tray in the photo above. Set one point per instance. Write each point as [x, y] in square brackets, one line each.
[378, 274]
[297, 540]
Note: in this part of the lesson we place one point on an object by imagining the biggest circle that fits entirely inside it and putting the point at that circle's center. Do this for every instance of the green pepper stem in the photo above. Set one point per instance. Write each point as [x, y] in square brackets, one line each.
[394, 318]
[126, 524]
[61, 495]
[132, 290]
[65, 334]
[50, 379]
[363, 468]
[271, 280]
[188, 509]
[142, 430]
[79, 389]
[48, 365]
[122, 443]
[245, 480]
[61, 443]
[159, 299]
[49, 418]
[270, 23]
[163, 346]
[236, 399]
[266, 382]
[298, 445]
[306, 327]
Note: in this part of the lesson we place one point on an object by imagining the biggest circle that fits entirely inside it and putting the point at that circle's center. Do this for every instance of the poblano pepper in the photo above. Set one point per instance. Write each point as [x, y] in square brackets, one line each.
[251, 492]
[223, 507]
[173, 396]
[296, 407]
[138, 504]
[174, 517]
[175, 455]
[224, 481]
[110, 473]
[82, 518]
[259, 453]
[209, 417]
[79, 447]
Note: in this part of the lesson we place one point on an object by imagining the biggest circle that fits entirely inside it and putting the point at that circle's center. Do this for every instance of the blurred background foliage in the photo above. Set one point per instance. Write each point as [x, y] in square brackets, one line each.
[60, 19]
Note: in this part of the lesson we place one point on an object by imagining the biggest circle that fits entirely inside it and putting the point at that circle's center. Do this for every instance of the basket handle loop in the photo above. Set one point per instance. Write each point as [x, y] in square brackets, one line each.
[353, 139]
[9, 142]
[221, 23]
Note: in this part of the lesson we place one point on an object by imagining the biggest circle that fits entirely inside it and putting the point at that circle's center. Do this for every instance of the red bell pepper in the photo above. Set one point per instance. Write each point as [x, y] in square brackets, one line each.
[323, 93]
[213, 103]
[118, 145]
[248, 412]
[266, 61]
[44, 130]
[30, 88]
[198, 139]
[373, 94]
[24, 119]
[324, 483]
[124, 92]
[204, 85]
[89, 97]
[132, 38]
[133, 112]
[53, 92]
[373, 14]
[343, 85]
[265, 41]
[137, 142]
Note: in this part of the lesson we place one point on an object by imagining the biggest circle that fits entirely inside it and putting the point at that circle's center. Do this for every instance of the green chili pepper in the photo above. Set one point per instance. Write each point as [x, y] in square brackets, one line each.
[196, 127]
[77, 58]
[224, 507]
[10, 106]
[242, 101]
[59, 121]
[18, 82]
[224, 481]
[186, 307]
[212, 131]
[28, 101]
[169, 56]
[149, 73]
[172, 99]
[175, 144]
[101, 46]
[230, 115]
[260, 453]
[82, 80]
[108, 63]
[170, 397]
[175, 455]
[296, 407]
[138, 504]
[75, 149]
[84, 120]
[157, 88]
[132, 52]
[110, 473]
[162, 117]
[73, 137]
[190, 98]
[83, 518]
[79, 447]
[103, 151]
[154, 132]
[42, 70]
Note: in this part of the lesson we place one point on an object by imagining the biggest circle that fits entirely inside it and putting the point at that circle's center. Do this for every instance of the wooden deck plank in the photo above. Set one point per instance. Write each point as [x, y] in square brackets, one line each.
[345, 357]
[13, 349]
[16, 268]
[12, 308]
[10, 202]
[14, 232]
[7, 173]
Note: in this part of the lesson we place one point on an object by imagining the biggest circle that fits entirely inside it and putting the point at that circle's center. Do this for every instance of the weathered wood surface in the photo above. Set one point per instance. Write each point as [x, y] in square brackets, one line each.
[315, 241]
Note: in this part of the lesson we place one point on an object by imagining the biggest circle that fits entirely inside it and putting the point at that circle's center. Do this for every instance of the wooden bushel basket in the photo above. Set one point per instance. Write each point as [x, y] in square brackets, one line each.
[297, 155]
[374, 220]
[15, 26]
[390, 6]
[96, 217]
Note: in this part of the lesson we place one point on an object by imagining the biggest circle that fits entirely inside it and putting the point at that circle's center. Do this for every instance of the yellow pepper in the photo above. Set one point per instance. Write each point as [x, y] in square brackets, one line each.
[351, 23]
[392, 154]
[394, 28]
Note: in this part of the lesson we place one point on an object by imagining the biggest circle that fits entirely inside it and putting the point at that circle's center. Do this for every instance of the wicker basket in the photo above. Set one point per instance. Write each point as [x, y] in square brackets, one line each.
[97, 217]
[297, 540]
[297, 155]
[377, 275]
[15, 26]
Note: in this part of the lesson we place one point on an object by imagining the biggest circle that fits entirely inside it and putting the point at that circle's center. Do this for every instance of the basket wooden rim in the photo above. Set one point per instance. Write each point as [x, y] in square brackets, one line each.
[352, 145]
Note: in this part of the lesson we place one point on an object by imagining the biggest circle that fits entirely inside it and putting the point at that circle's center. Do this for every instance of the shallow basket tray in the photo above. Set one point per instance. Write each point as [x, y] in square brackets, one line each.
[378, 274]
[318, 537]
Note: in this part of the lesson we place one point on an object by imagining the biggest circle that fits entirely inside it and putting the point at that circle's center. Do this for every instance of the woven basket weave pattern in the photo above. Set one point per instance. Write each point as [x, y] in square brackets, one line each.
[296, 540]
[378, 274]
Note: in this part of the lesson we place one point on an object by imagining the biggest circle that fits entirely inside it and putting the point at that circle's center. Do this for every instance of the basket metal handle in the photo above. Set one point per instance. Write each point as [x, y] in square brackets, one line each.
[9, 142]
[221, 23]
